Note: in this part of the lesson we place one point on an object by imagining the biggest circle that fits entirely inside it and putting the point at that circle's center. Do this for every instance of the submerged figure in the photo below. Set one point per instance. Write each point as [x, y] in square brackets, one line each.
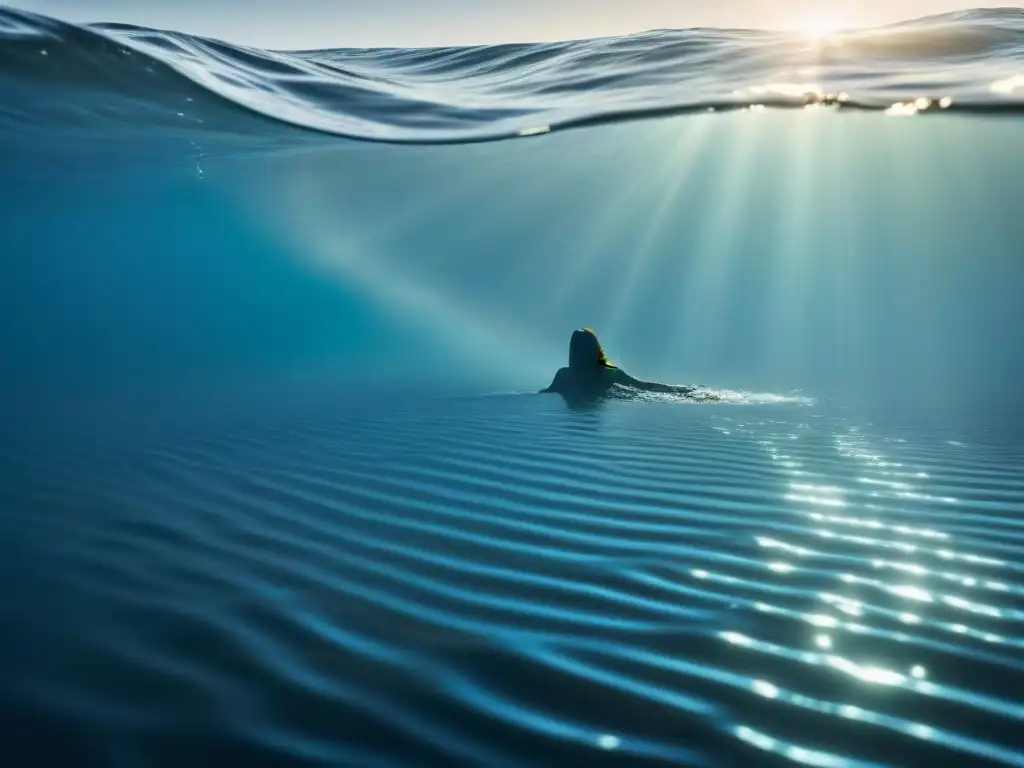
[590, 375]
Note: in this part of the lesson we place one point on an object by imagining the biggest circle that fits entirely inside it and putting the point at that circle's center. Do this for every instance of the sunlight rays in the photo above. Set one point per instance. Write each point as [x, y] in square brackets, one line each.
[675, 173]
[820, 251]
[730, 236]
[339, 248]
[700, 323]
[843, 263]
[628, 201]
[786, 305]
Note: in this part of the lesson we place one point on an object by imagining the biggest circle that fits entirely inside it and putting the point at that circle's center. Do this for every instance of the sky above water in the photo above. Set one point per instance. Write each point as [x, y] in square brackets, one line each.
[338, 23]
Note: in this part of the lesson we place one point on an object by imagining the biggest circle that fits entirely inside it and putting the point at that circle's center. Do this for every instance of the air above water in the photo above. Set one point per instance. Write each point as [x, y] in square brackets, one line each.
[276, 483]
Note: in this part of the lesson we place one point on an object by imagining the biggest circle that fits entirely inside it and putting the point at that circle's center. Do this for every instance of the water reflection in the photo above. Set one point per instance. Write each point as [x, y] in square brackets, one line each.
[860, 487]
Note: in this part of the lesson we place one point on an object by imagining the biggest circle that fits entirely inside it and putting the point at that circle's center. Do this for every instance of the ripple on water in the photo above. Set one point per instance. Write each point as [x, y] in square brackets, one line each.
[502, 581]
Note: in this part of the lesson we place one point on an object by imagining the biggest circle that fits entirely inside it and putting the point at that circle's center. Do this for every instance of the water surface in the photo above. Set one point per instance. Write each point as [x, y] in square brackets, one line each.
[274, 485]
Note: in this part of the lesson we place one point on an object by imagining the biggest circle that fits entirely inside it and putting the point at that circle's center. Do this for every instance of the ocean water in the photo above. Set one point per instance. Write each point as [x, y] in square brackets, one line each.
[276, 487]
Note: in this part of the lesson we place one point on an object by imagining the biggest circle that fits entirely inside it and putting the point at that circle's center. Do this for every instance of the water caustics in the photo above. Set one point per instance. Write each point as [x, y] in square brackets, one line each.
[498, 580]
[967, 60]
[757, 577]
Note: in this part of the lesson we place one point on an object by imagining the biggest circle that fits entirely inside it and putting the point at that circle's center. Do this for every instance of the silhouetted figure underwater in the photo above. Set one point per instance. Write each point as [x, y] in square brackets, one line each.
[590, 376]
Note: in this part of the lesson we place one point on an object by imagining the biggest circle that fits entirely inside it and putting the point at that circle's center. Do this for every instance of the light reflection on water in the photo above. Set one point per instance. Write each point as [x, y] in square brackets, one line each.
[739, 584]
[874, 500]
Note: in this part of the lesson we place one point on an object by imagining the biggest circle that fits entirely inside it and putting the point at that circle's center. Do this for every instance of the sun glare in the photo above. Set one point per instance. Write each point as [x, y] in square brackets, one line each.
[819, 28]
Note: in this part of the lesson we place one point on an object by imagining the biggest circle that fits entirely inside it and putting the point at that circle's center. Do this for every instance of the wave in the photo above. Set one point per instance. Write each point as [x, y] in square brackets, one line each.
[485, 582]
[144, 78]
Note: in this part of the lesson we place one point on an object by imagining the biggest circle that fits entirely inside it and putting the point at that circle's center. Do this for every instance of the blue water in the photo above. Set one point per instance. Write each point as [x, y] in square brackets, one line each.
[275, 487]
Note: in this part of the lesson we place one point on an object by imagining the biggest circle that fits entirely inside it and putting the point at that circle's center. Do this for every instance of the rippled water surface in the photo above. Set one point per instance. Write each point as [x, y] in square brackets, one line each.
[274, 486]
[191, 84]
[500, 580]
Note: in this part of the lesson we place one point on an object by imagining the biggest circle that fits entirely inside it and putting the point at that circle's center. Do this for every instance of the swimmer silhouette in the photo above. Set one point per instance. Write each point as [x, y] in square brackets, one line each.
[590, 376]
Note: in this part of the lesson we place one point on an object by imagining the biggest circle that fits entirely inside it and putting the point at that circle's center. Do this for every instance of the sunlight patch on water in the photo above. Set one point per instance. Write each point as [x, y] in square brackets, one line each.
[795, 753]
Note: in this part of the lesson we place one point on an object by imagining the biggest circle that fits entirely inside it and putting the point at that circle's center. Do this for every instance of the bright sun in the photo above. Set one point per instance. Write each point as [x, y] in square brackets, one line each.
[819, 28]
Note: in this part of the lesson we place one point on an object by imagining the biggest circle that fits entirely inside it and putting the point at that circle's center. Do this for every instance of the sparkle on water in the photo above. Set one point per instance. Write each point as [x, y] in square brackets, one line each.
[487, 578]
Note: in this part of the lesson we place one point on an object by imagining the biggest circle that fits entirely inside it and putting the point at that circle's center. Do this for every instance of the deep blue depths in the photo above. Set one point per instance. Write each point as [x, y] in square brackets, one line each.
[274, 490]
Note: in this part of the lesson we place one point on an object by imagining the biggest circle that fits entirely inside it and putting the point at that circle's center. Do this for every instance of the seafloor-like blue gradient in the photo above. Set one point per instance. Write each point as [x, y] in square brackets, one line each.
[274, 485]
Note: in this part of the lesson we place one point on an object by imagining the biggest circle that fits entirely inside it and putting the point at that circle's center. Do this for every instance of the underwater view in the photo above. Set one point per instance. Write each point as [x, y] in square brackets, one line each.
[307, 459]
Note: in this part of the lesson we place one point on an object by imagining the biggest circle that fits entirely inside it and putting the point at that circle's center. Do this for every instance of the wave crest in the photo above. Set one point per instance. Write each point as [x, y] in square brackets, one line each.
[498, 91]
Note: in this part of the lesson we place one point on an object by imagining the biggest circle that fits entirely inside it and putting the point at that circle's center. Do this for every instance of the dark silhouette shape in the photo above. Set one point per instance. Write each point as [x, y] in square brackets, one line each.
[590, 376]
